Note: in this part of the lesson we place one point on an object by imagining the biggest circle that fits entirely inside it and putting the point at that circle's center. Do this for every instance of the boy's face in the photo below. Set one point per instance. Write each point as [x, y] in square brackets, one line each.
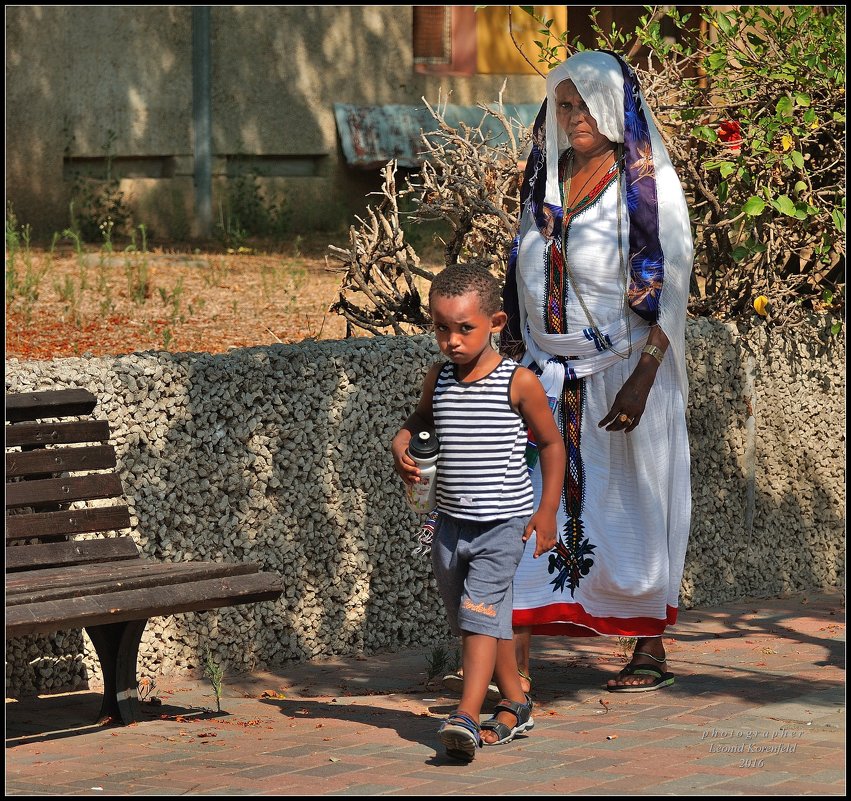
[462, 329]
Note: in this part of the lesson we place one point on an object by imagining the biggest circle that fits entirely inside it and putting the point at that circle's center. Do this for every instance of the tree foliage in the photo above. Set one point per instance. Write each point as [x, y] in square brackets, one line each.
[751, 103]
[753, 107]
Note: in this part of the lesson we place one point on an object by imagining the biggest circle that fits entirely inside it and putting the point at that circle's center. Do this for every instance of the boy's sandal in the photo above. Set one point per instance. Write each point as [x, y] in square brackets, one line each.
[460, 734]
[454, 682]
[504, 733]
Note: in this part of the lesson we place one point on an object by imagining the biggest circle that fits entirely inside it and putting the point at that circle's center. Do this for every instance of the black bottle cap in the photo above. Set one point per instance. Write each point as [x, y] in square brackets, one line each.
[424, 445]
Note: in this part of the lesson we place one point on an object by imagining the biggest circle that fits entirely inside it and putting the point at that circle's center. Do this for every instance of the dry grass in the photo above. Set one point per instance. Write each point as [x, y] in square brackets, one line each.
[67, 303]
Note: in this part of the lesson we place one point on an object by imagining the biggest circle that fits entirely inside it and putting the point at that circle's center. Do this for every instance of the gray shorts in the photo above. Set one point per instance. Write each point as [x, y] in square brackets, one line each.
[474, 565]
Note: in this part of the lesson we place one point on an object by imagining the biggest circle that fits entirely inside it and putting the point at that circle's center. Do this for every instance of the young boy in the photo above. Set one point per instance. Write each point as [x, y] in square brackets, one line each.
[480, 405]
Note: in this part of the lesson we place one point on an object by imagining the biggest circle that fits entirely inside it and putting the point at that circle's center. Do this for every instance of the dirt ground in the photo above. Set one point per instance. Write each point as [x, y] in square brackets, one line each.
[181, 300]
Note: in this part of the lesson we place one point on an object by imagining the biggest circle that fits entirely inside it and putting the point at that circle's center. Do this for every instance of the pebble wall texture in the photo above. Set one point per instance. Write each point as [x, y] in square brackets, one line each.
[280, 455]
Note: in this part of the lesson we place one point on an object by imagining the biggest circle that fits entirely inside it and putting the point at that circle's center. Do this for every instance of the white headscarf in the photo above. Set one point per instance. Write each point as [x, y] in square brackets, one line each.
[599, 79]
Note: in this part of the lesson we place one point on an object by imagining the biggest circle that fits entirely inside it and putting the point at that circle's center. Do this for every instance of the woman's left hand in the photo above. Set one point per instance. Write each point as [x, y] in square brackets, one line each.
[629, 403]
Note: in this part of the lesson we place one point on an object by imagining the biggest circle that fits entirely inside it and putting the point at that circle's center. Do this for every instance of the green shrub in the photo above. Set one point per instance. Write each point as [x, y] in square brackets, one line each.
[752, 107]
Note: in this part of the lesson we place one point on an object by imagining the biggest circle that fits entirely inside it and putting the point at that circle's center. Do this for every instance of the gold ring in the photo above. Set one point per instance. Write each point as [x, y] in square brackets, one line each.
[624, 419]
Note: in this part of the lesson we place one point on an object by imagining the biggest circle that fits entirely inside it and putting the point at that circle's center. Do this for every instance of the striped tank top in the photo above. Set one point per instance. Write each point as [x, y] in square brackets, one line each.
[481, 467]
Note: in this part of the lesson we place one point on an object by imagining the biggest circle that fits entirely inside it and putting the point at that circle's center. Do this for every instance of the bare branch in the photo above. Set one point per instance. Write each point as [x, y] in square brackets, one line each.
[520, 46]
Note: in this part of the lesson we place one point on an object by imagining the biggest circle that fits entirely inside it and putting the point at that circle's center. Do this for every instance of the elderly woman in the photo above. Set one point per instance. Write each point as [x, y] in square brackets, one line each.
[596, 294]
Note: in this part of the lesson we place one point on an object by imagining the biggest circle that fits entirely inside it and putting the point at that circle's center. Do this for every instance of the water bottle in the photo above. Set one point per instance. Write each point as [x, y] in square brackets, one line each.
[423, 450]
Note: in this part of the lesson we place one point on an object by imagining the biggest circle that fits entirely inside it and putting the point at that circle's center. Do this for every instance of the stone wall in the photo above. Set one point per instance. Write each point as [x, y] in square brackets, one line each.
[280, 455]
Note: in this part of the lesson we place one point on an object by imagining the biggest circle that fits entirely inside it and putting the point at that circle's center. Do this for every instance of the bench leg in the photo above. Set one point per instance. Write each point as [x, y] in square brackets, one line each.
[117, 646]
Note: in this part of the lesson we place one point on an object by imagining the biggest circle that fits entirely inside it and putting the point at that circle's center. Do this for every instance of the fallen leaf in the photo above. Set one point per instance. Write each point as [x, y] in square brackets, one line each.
[333, 759]
[207, 734]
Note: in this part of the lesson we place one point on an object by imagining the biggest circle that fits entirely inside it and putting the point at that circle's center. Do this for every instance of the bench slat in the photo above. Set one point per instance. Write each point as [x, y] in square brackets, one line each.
[137, 574]
[128, 605]
[60, 460]
[57, 554]
[67, 522]
[35, 434]
[75, 402]
[37, 579]
[113, 571]
[63, 490]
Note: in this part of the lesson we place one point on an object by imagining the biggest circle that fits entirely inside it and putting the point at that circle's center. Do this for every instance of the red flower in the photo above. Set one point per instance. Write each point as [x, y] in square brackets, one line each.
[730, 132]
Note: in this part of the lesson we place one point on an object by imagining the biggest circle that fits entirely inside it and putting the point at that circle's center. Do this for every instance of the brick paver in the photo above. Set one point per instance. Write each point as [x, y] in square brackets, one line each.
[757, 709]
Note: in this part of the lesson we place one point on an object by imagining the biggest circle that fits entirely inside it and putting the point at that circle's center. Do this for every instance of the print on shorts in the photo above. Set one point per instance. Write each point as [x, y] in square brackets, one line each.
[483, 609]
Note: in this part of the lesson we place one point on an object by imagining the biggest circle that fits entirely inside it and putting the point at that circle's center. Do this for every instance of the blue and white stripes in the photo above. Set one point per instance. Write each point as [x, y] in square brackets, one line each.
[481, 469]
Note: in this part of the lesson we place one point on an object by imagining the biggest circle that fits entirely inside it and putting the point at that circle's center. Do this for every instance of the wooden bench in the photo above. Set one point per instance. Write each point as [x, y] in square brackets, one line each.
[55, 582]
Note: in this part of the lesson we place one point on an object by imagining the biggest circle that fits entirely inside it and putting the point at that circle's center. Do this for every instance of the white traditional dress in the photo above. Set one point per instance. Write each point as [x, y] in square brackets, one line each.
[626, 506]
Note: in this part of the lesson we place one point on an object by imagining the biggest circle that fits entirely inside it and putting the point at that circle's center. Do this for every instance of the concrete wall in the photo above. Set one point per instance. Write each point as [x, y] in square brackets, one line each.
[279, 455]
[75, 73]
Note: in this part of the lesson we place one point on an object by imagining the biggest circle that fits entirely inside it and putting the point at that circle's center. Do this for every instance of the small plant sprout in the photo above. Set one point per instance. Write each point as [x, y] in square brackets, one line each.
[627, 645]
[436, 662]
[214, 673]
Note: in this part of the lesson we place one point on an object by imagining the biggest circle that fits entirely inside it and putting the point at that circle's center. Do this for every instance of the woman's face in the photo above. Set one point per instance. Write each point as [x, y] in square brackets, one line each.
[576, 121]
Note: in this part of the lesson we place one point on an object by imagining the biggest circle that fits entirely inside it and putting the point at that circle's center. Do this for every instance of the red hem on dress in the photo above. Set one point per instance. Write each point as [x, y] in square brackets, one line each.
[572, 620]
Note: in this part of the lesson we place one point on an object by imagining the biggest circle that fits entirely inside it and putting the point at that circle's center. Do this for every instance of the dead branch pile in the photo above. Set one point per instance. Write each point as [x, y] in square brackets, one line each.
[469, 181]
[378, 289]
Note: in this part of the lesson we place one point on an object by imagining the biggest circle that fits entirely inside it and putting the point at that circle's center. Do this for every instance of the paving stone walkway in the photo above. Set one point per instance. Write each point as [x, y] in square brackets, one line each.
[758, 708]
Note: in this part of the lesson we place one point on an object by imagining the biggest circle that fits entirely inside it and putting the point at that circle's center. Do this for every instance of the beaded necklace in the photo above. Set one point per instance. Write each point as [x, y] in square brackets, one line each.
[598, 334]
[581, 189]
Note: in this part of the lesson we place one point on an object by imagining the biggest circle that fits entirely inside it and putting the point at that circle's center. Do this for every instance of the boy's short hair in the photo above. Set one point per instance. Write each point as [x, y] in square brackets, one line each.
[460, 279]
